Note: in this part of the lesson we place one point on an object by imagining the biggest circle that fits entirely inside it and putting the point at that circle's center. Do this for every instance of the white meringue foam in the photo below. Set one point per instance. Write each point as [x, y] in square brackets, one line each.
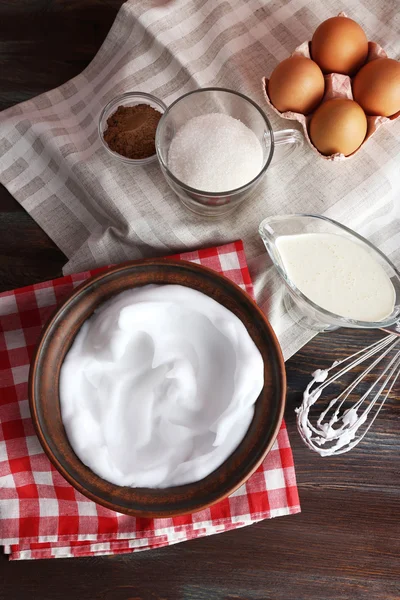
[159, 387]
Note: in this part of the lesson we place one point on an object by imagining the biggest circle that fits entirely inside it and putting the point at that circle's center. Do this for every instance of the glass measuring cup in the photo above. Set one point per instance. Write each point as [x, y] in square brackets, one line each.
[238, 106]
[300, 308]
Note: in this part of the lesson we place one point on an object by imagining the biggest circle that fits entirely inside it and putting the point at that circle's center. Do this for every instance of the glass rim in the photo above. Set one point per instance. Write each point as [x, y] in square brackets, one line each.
[121, 98]
[343, 321]
[234, 191]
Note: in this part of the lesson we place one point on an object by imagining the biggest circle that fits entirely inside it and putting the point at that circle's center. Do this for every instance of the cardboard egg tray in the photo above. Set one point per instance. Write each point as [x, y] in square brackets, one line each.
[336, 86]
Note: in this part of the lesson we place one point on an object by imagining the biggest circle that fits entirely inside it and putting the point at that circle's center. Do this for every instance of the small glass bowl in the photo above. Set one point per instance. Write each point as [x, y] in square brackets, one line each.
[128, 99]
[300, 308]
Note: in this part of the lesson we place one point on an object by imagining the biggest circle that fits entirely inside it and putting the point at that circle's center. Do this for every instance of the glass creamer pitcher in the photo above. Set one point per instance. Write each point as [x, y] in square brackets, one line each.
[238, 106]
[303, 310]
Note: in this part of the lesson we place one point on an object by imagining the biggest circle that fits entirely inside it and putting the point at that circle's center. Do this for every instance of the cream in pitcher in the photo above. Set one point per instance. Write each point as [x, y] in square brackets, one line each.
[338, 275]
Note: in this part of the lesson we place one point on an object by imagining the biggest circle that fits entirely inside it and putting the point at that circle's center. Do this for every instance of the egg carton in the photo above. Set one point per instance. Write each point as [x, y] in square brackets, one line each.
[336, 86]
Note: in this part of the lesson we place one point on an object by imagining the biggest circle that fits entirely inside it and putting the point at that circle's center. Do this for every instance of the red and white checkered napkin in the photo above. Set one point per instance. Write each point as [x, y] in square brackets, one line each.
[41, 515]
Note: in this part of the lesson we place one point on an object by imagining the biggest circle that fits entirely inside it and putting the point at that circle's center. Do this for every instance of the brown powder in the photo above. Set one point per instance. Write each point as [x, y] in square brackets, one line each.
[131, 131]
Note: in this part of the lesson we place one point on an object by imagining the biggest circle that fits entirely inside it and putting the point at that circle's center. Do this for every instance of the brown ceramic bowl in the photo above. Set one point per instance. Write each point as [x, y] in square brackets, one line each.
[56, 340]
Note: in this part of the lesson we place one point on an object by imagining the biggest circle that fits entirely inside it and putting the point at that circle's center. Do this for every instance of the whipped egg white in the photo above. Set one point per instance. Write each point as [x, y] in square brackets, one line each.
[159, 387]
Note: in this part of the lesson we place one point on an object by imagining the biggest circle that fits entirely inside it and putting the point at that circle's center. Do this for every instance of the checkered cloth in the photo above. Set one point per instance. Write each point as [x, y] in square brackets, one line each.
[41, 515]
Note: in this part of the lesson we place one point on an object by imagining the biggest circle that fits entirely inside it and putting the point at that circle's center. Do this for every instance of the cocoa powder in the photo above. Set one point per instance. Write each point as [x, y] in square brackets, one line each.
[131, 131]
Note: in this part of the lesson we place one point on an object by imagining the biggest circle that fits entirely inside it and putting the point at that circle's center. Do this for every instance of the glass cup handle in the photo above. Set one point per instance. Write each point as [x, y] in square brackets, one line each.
[291, 139]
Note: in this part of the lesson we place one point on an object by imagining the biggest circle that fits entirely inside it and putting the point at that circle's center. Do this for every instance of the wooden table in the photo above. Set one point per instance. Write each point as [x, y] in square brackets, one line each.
[345, 543]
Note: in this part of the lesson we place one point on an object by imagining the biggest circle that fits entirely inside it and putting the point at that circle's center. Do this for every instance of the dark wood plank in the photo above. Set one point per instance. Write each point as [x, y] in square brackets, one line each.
[27, 254]
[345, 543]
[43, 43]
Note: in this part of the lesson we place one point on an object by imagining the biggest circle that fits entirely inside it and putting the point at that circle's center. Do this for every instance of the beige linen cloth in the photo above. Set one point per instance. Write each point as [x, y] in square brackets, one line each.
[100, 211]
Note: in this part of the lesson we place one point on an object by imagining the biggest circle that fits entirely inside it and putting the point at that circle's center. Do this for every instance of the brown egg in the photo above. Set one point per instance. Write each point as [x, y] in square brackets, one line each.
[376, 87]
[296, 84]
[339, 45]
[338, 125]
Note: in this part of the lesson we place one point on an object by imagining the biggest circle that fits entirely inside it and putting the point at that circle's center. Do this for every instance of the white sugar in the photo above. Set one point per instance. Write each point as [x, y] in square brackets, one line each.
[215, 153]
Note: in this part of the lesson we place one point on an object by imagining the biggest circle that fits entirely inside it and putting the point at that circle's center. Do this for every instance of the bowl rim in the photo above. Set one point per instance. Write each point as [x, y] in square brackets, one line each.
[33, 401]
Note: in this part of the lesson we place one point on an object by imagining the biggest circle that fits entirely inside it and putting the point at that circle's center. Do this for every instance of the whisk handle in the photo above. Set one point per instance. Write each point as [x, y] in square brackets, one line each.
[394, 329]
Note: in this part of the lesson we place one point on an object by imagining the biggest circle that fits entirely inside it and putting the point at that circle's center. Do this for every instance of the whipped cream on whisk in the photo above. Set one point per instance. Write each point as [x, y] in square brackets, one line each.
[159, 387]
[317, 436]
[338, 429]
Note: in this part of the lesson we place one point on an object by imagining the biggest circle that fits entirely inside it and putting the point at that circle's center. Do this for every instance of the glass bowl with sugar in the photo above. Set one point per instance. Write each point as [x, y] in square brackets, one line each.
[214, 146]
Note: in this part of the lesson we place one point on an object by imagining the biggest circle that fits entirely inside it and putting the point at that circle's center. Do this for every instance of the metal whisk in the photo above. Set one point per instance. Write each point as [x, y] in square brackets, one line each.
[340, 427]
